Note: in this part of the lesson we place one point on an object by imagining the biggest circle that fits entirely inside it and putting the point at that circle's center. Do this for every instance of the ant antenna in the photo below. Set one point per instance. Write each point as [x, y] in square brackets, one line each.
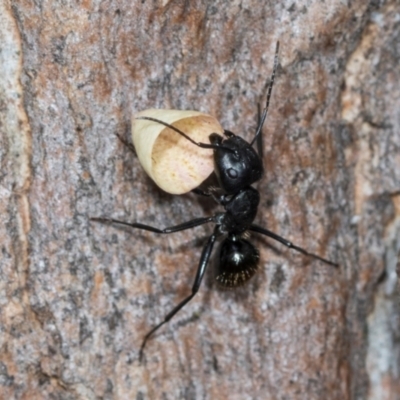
[271, 83]
[199, 144]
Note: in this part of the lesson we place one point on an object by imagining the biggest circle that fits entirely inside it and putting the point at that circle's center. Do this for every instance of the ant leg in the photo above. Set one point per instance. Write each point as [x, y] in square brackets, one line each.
[201, 192]
[220, 198]
[181, 227]
[126, 143]
[205, 256]
[266, 232]
[228, 133]
[271, 83]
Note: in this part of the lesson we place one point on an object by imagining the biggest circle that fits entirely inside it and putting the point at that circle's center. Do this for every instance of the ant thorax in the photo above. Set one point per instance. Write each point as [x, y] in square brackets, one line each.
[240, 211]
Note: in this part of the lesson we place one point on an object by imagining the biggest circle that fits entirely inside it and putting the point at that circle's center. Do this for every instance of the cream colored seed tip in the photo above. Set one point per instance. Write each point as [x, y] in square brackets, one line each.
[174, 163]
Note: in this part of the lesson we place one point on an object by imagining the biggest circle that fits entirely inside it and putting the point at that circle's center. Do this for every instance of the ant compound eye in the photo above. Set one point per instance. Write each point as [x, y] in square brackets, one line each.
[232, 173]
[174, 163]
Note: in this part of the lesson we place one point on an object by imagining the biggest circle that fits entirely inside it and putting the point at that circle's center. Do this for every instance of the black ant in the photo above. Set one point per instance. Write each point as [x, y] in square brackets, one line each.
[237, 166]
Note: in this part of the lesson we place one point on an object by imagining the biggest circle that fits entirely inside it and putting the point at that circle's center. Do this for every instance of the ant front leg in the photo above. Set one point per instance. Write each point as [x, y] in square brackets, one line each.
[201, 192]
[228, 134]
[220, 198]
[130, 146]
[212, 192]
[205, 256]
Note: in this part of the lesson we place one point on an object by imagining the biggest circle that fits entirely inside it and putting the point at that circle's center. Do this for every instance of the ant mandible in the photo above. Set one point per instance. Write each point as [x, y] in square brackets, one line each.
[237, 166]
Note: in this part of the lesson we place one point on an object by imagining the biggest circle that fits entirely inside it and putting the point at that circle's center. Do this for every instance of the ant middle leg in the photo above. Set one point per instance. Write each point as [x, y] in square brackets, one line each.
[176, 228]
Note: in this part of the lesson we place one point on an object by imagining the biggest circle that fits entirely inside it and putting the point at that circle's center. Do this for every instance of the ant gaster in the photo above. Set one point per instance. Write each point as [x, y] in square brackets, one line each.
[237, 166]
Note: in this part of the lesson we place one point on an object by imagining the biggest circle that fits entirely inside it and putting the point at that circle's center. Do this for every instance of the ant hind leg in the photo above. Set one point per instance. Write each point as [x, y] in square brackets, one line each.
[287, 243]
[205, 256]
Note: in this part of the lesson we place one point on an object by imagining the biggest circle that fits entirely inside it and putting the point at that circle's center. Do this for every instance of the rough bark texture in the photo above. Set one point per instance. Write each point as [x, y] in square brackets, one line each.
[77, 297]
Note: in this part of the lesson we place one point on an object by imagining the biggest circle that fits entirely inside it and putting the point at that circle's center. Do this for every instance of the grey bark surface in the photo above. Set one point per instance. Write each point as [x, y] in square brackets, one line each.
[78, 297]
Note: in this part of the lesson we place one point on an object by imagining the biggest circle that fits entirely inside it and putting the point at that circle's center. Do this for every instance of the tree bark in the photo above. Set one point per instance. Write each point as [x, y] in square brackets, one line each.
[77, 297]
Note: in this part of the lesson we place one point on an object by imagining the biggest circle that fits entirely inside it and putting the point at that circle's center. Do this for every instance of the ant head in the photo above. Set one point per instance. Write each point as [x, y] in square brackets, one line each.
[238, 262]
[236, 163]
